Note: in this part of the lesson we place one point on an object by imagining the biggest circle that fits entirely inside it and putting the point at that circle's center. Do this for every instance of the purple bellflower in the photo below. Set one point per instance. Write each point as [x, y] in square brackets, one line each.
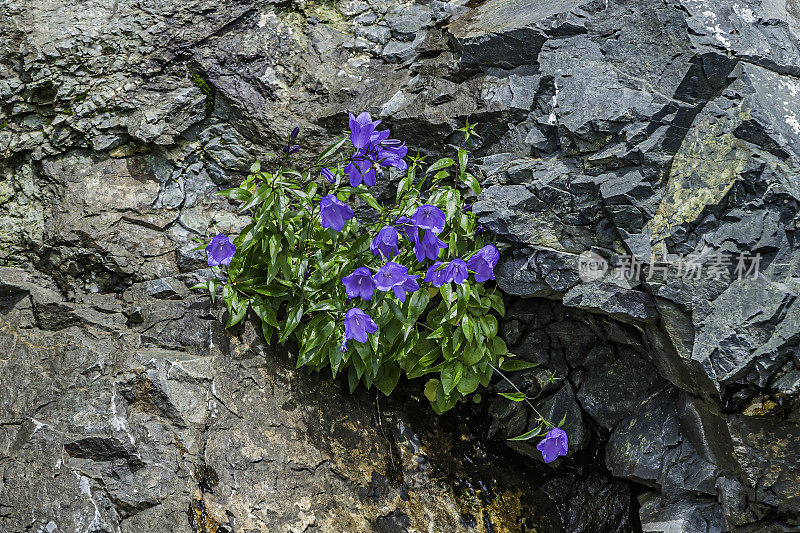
[295, 133]
[483, 261]
[357, 326]
[554, 444]
[220, 250]
[361, 129]
[385, 243]
[429, 246]
[334, 212]
[456, 271]
[437, 274]
[407, 227]
[429, 217]
[395, 277]
[361, 170]
[328, 175]
[359, 284]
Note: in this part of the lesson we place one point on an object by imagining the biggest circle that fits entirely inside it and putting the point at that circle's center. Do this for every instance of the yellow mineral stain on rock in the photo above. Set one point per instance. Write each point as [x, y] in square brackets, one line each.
[704, 169]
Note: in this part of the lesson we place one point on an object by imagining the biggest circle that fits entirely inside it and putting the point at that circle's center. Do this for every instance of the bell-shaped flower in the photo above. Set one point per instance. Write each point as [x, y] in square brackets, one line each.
[483, 261]
[358, 325]
[429, 246]
[334, 213]
[437, 274]
[385, 243]
[359, 284]
[391, 154]
[220, 250]
[361, 129]
[395, 277]
[360, 170]
[429, 217]
[407, 227]
[456, 271]
[554, 444]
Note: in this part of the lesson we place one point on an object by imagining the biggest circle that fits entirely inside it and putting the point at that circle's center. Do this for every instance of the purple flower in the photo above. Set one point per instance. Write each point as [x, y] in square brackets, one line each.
[437, 275]
[359, 284]
[554, 444]
[391, 154]
[360, 170]
[357, 326]
[482, 263]
[220, 250]
[328, 175]
[334, 212]
[407, 227]
[394, 277]
[385, 242]
[289, 150]
[361, 129]
[429, 217]
[429, 246]
[456, 271]
[295, 132]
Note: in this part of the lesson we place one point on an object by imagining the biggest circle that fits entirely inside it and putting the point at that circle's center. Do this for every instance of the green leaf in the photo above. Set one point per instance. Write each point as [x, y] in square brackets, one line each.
[497, 303]
[404, 185]
[473, 183]
[445, 162]
[265, 312]
[291, 322]
[387, 378]
[512, 365]
[473, 353]
[535, 432]
[332, 149]
[451, 375]
[513, 396]
[468, 382]
[489, 326]
[430, 389]
[463, 156]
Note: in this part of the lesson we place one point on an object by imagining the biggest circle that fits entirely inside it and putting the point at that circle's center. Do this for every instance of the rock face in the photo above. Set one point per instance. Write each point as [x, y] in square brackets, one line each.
[616, 131]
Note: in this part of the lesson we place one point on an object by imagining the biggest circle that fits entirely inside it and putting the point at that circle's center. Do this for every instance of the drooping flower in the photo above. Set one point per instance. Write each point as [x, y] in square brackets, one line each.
[429, 246]
[456, 271]
[407, 227]
[385, 242]
[429, 217]
[328, 175]
[395, 277]
[483, 261]
[361, 170]
[437, 274]
[554, 444]
[391, 154]
[361, 128]
[220, 250]
[358, 325]
[359, 284]
[334, 212]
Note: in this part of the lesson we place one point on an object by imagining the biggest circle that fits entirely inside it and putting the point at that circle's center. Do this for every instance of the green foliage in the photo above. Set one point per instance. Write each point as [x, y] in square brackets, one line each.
[288, 270]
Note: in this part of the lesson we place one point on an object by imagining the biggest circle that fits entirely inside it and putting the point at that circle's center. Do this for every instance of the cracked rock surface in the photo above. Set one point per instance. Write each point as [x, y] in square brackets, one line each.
[622, 128]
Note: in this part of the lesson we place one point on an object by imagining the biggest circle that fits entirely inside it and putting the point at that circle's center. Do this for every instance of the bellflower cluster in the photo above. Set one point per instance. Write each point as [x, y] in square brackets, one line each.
[405, 286]
[374, 150]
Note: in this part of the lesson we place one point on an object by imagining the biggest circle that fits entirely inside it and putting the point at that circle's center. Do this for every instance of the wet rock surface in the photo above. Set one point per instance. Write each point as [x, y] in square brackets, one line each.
[627, 129]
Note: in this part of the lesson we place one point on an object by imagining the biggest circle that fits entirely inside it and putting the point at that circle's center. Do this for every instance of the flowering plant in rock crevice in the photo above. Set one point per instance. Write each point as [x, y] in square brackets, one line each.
[399, 290]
